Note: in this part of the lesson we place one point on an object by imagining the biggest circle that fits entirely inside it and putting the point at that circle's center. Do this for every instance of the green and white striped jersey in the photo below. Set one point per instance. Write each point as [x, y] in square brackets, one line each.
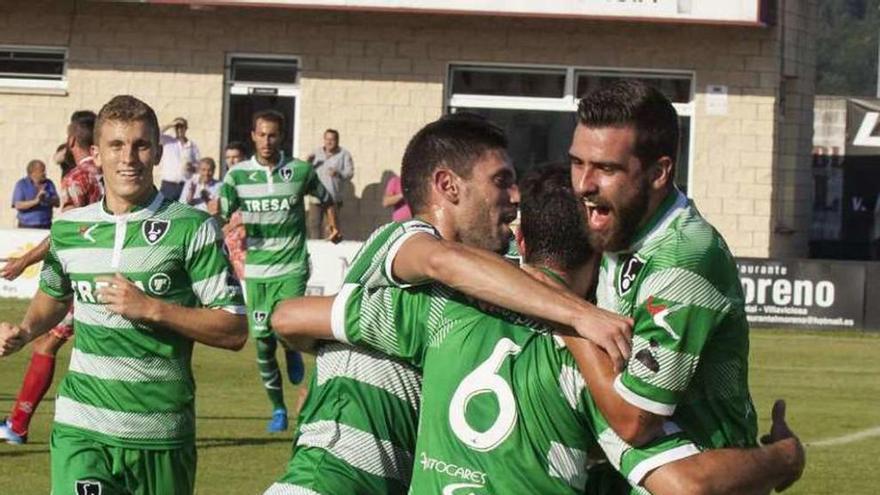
[272, 211]
[357, 427]
[504, 409]
[691, 339]
[130, 384]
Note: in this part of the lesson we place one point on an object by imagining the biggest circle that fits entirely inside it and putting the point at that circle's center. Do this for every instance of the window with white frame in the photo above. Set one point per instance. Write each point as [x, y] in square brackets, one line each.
[537, 106]
[33, 67]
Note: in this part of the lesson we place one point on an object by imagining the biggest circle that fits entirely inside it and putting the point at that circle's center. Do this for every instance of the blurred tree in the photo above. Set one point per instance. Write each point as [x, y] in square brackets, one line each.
[847, 47]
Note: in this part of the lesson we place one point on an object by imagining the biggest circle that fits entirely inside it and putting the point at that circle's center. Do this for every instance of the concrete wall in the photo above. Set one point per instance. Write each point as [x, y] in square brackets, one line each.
[379, 77]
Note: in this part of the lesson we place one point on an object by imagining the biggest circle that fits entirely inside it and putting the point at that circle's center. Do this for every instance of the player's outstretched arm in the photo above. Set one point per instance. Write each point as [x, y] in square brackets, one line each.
[43, 313]
[303, 320]
[736, 471]
[14, 267]
[487, 276]
[209, 326]
[632, 424]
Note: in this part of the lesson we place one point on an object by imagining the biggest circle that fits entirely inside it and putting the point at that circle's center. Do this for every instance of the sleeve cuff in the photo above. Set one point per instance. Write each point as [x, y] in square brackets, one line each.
[337, 312]
[58, 296]
[642, 469]
[392, 253]
[643, 403]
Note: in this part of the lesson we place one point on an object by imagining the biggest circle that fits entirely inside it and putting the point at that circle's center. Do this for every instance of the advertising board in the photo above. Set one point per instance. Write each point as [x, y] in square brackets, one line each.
[803, 293]
[743, 12]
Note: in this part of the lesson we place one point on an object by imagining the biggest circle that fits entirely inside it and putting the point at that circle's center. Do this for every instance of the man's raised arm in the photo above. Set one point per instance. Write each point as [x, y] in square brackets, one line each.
[488, 277]
[633, 425]
[215, 327]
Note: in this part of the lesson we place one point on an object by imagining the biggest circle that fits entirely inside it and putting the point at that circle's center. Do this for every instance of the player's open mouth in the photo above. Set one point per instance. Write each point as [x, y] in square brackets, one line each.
[598, 215]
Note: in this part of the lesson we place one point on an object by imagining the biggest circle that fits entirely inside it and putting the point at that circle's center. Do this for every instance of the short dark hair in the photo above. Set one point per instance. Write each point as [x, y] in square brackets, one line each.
[634, 103]
[552, 219]
[269, 115]
[237, 145]
[127, 108]
[210, 161]
[334, 132]
[82, 127]
[454, 141]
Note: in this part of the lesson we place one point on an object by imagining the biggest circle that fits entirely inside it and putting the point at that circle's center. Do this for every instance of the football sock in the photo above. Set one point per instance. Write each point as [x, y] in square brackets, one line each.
[269, 372]
[37, 381]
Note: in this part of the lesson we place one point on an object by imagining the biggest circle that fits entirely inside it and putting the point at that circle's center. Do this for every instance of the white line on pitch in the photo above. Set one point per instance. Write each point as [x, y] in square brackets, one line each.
[852, 437]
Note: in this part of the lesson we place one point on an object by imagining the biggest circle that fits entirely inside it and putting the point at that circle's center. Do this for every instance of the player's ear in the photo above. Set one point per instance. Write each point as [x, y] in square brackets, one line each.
[93, 150]
[446, 184]
[662, 173]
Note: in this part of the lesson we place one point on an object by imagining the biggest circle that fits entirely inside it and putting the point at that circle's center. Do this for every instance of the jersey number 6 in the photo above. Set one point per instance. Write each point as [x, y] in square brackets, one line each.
[484, 379]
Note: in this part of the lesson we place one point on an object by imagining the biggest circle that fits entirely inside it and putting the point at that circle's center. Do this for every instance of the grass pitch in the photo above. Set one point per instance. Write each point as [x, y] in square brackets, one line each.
[830, 380]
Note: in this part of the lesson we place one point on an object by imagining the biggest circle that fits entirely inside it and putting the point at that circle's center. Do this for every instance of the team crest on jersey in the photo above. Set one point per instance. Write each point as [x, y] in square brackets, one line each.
[89, 487]
[629, 271]
[260, 316]
[286, 174]
[159, 284]
[155, 230]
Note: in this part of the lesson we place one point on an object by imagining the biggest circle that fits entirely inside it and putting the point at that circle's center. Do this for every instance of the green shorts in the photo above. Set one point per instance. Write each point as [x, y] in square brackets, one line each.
[261, 297]
[81, 466]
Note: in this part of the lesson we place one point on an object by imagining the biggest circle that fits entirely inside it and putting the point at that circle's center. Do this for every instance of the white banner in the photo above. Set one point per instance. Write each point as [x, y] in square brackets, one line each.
[14, 243]
[725, 11]
[330, 262]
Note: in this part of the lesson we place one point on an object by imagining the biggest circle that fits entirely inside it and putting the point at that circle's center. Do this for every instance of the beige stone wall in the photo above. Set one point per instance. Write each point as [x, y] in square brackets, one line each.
[793, 179]
[378, 77]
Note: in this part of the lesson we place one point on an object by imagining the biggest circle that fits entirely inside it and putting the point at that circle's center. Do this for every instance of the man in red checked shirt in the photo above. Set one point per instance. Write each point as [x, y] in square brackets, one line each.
[81, 186]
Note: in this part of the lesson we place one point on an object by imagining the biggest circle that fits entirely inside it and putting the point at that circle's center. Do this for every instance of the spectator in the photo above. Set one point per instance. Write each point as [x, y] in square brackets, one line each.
[83, 185]
[179, 156]
[334, 166]
[34, 197]
[394, 199]
[233, 232]
[235, 152]
[201, 190]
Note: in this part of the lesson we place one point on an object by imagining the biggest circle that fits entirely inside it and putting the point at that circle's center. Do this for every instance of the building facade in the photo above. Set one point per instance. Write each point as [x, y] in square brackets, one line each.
[743, 86]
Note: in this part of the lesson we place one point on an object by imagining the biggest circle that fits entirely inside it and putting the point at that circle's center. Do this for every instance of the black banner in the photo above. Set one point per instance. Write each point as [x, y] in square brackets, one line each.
[846, 175]
[803, 293]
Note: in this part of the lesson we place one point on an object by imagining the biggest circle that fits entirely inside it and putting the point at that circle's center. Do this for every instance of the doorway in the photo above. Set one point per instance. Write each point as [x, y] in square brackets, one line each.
[260, 82]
